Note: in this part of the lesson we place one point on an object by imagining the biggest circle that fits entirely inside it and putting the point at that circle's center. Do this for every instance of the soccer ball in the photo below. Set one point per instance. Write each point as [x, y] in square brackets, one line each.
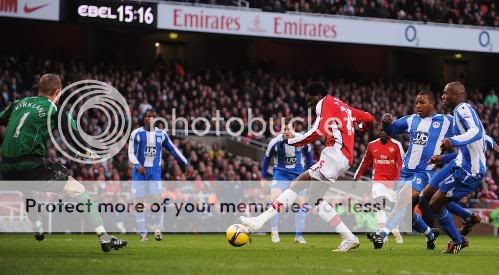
[237, 235]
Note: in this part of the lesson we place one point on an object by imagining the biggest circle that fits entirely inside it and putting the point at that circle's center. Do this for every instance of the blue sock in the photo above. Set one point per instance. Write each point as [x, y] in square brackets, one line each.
[274, 222]
[458, 210]
[420, 226]
[141, 222]
[445, 220]
[300, 218]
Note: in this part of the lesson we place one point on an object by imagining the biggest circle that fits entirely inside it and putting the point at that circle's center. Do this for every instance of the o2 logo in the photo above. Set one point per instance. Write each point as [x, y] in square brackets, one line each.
[484, 40]
[420, 138]
[150, 151]
[411, 34]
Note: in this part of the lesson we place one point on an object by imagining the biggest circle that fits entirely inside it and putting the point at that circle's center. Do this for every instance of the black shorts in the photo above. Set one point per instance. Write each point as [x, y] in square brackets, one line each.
[41, 175]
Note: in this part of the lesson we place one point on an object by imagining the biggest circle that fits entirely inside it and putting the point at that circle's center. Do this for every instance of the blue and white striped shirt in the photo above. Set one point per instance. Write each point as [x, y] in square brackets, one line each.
[145, 147]
[469, 139]
[426, 135]
[287, 158]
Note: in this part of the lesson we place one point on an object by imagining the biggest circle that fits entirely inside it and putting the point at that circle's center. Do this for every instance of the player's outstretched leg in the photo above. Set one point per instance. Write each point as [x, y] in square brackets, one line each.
[77, 192]
[394, 218]
[284, 200]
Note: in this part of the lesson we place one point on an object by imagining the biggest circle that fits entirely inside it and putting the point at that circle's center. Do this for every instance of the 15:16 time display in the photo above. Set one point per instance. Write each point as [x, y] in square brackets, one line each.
[128, 14]
[118, 13]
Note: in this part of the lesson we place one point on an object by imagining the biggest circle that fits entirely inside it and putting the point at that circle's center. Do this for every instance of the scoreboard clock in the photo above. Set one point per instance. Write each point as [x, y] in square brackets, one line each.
[117, 12]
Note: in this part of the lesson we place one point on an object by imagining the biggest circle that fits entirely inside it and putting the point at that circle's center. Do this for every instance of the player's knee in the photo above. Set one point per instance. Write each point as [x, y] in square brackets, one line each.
[73, 188]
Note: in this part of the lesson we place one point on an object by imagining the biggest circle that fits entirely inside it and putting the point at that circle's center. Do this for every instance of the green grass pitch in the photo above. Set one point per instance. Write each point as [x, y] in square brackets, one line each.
[211, 254]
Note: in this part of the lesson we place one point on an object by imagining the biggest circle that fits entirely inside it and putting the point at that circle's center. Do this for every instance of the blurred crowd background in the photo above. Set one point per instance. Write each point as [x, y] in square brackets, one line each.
[194, 94]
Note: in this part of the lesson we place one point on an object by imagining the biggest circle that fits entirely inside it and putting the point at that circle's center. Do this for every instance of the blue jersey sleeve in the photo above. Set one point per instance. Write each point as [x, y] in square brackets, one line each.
[399, 126]
[309, 161]
[133, 145]
[168, 145]
[448, 157]
[449, 132]
[490, 143]
[473, 129]
[269, 153]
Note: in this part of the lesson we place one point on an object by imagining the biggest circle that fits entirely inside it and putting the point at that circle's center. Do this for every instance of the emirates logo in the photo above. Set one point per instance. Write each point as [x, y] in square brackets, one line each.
[257, 25]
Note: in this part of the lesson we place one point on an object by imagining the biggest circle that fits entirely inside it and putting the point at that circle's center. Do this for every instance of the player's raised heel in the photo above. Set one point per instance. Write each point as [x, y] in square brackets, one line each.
[430, 243]
[113, 243]
[469, 223]
[251, 223]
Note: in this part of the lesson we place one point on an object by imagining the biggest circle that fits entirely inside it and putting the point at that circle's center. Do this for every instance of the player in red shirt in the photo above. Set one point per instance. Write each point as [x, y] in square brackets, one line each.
[385, 155]
[336, 122]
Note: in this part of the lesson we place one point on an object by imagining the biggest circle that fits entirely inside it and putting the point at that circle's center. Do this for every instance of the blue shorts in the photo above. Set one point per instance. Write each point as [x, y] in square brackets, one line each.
[148, 184]
[281, 180]
[455, 182]
[417, 179]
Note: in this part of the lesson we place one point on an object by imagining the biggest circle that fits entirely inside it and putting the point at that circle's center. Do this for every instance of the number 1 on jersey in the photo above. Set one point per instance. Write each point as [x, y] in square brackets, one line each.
[18, 129]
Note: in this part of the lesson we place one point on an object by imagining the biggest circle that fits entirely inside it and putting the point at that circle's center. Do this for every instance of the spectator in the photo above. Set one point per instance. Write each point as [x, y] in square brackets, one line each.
[491, 99]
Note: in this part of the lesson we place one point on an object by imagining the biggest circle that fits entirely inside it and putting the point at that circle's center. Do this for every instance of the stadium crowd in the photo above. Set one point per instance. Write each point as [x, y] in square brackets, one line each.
[463, 12]
[200, 94]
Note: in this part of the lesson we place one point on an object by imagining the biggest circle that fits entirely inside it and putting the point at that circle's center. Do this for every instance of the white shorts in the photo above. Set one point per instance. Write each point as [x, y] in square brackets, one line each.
[331, 165]
[381, 190]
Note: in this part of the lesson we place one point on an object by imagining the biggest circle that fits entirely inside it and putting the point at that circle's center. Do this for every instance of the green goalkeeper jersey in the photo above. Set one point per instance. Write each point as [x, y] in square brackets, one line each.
[27, 125]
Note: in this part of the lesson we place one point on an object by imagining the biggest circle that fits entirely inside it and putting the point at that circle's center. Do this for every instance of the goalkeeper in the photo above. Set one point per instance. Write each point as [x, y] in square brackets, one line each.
[24, 149]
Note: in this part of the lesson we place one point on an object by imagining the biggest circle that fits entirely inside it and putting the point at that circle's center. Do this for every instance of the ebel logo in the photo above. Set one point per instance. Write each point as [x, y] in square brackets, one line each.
[290, 160]
[420, 138]
[150, 151]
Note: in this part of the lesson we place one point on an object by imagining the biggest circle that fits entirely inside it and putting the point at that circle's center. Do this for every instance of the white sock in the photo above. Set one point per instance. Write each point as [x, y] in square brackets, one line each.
[100, 230]
[381, 217]
[286, 198]
[327, 213]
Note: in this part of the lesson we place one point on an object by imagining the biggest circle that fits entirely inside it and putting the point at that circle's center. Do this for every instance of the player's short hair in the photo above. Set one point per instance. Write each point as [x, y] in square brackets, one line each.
[48, 84]
[428, 94]
[458, 87]
[150, 110]
[315, 88]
